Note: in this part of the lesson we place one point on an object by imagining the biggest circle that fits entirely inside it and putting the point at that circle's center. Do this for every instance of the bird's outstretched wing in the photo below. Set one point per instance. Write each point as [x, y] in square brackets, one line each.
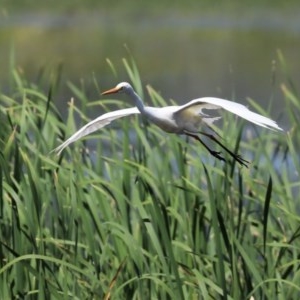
[96, 124]
[233, 107]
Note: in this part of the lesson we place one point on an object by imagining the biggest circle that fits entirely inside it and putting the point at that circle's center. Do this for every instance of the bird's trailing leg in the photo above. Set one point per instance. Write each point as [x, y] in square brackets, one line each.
[237, 157]
[214, 153]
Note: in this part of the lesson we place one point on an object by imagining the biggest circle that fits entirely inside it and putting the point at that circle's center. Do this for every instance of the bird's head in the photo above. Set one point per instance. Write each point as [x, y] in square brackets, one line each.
[123, 87]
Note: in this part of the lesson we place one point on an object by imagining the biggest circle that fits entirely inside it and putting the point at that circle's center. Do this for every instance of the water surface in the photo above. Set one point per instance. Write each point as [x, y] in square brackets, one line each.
[182, 55]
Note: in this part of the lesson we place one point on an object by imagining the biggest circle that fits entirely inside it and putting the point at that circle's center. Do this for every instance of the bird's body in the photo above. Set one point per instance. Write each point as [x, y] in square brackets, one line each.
[163, 118]
[185, 119]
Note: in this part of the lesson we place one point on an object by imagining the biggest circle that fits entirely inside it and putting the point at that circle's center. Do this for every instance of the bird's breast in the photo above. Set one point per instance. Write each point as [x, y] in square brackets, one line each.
[166, 125]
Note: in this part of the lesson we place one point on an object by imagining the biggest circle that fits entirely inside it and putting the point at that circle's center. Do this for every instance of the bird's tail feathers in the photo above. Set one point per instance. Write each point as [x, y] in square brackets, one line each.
[209, 122]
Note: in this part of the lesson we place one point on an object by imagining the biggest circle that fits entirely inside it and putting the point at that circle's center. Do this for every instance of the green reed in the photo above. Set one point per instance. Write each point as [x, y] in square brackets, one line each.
[134, 213]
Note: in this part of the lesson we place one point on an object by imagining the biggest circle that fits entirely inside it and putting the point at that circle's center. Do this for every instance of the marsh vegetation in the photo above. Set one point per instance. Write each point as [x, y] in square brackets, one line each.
[139, 214]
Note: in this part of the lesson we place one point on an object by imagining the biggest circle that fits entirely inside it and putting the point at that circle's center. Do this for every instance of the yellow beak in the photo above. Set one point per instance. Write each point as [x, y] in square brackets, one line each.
[111, 91]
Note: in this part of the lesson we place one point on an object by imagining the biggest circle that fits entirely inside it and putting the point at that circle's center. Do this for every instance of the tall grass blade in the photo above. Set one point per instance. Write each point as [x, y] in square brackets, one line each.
[266, 212]
[220, 269]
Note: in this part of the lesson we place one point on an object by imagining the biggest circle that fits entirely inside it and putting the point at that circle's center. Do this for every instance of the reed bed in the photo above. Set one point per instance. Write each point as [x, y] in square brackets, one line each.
[134, 213]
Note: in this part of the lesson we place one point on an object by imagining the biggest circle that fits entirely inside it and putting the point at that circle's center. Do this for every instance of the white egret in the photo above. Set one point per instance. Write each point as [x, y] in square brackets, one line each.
[185, 119]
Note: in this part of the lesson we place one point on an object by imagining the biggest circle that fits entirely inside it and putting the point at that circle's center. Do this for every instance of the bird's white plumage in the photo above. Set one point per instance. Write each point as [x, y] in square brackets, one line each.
[184, 119]
[233, 107]
[96, 124]
[122, 85]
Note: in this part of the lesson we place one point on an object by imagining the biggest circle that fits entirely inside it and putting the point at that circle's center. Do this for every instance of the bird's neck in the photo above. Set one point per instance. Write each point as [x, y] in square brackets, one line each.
[138, 102]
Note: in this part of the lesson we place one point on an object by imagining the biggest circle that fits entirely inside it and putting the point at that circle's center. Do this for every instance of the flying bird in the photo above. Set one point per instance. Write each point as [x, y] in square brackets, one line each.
[184, 119]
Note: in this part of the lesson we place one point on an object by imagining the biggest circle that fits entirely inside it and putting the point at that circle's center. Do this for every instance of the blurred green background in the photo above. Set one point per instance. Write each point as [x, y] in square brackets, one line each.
[133, 212]
[185, 49]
